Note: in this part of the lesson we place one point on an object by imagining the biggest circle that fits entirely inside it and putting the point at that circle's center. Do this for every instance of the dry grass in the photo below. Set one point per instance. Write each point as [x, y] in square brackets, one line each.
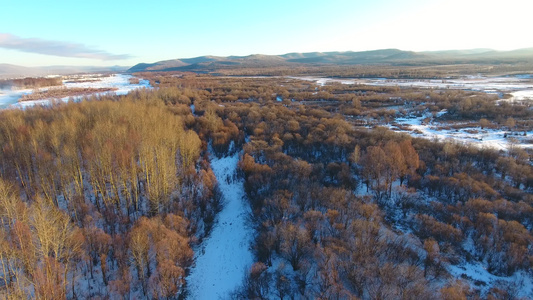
[134, 80]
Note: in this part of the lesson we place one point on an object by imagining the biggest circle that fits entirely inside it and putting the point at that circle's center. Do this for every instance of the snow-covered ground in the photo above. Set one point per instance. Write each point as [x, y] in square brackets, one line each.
[475, 272]
[488, 138]
[223, 258]
[9, 98]
[520, 86]
[119, 81]
[523, 95]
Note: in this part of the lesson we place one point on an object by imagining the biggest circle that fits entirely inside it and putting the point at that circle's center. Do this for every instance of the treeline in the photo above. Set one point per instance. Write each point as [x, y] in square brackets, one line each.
[373, 105]
[101, 198]
[32, 82]
[403, 70]
[58, 93]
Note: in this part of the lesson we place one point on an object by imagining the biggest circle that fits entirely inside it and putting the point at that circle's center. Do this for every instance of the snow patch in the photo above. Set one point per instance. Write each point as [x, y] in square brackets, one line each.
[522, 95]
[480, 278]
[475, 135]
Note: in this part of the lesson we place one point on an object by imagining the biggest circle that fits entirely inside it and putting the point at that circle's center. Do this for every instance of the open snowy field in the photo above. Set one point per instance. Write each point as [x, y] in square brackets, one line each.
[523, 95]
[520, 86]
[10, 98]
[489, 138]
[119, 81]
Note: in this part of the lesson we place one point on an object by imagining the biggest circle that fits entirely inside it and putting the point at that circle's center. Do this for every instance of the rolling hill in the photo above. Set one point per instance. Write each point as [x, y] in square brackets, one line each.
[382, 57]
[373, 57]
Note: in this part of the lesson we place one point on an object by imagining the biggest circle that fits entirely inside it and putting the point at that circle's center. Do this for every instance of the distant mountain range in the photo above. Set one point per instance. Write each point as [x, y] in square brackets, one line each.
[204, 64]
[14, 71]
[384, 56]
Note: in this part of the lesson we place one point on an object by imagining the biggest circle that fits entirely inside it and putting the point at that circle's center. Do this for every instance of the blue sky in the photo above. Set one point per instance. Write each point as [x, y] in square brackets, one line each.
[42, 32]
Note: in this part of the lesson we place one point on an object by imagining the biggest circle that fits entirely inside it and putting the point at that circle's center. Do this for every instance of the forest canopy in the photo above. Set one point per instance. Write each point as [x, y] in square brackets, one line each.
[111, 196]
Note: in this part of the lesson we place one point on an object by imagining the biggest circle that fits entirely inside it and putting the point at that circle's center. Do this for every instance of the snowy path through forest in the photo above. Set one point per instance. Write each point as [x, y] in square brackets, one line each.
[223, 257]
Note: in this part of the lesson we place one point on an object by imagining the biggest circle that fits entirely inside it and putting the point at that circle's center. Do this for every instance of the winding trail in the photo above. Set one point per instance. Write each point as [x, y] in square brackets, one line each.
[223, 258]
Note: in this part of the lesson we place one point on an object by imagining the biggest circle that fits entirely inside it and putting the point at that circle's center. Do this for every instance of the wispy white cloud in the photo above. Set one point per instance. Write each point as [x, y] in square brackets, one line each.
[56, 48]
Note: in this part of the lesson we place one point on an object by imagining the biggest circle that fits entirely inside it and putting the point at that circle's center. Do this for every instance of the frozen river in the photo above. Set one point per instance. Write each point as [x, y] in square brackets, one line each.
[9, 97]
